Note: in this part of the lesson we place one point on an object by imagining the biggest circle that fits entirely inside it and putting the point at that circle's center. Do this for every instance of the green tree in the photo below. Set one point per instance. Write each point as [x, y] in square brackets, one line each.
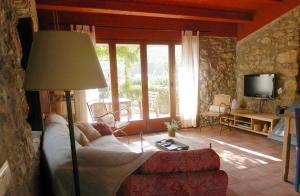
[129, 55]
[102, 52]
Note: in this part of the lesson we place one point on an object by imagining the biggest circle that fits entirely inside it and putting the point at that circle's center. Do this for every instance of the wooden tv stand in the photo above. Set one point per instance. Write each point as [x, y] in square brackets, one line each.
[249, 121]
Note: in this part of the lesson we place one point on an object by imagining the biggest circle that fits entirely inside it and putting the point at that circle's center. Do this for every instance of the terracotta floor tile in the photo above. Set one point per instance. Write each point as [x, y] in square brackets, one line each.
[241, 189]
[284, 189]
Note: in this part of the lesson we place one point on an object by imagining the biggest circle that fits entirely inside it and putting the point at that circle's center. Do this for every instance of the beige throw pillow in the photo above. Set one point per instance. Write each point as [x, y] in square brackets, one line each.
[89, 131]
[83, 140]
[80, 137]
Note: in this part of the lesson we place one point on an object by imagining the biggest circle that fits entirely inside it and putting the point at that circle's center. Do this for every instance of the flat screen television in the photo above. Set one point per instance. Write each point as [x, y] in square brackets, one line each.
[260, 86]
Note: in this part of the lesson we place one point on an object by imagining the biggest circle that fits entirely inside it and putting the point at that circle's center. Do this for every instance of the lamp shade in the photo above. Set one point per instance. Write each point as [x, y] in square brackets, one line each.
[63, 60]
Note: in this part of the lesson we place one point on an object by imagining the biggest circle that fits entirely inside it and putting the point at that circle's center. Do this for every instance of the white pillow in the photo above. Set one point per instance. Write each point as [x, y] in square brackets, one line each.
[55, 118]
[78, 135]
[215, 108]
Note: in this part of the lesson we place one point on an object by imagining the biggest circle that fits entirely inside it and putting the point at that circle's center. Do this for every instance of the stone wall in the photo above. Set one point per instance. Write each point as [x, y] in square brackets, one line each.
[217, 69]
[15, 139]
[272, 49]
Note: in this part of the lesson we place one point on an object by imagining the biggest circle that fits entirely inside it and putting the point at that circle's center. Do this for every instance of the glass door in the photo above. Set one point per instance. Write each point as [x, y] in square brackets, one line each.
[129, 80]
[140, 77]
[102, 51]
[158, 81]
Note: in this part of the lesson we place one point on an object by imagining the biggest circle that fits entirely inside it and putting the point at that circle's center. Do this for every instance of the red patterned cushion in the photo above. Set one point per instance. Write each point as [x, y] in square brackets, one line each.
[182, 161]
[210, 183]
[102, 128]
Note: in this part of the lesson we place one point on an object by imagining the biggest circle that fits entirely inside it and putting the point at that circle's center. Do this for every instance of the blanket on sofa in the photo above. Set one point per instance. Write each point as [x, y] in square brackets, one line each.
[107, 169]
[102, 166]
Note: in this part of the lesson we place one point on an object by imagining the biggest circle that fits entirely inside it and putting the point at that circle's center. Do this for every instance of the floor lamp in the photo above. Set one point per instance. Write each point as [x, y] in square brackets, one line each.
[64, 60]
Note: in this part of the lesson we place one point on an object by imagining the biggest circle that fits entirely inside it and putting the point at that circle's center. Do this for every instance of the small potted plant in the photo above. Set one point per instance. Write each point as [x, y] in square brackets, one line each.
[172, 127]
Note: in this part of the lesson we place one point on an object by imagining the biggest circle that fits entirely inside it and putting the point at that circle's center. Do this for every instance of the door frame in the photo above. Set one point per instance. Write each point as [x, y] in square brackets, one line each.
[146, 124]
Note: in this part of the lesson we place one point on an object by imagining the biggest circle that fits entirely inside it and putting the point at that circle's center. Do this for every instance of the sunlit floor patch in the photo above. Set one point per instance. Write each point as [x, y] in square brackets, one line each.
[247, 150]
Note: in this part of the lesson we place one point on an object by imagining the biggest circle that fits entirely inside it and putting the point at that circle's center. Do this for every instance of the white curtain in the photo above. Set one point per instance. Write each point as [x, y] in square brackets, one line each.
[82, 96]
[188, 79]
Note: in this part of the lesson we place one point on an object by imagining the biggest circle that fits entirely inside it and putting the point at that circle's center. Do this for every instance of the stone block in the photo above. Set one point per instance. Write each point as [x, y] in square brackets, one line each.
[290, 85]
[266, 40]
[287, 70]
[287, 57]
[293, 43]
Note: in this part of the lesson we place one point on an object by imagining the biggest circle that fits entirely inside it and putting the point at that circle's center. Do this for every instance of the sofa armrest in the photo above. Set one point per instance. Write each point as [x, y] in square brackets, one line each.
[195, 183]
[182, 161]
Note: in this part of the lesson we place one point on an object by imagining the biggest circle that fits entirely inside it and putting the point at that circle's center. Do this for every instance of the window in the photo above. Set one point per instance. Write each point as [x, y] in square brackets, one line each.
[129, 80]
[158, 81]
[102, 51]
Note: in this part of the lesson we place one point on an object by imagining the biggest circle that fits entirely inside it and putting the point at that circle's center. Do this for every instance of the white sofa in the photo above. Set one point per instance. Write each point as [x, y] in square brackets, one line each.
[108, 167]
[103, 165]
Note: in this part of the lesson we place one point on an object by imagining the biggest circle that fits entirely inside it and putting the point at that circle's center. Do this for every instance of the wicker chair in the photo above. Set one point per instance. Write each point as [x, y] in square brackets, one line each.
[99, 113]
[220, 108]
[153, 102]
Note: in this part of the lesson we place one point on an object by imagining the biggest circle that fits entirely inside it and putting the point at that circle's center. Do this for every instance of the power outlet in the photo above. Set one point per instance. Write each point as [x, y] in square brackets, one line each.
[5, 176]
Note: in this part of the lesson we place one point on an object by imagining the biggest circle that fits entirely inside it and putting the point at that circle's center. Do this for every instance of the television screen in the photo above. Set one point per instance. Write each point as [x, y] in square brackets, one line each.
[259, 86]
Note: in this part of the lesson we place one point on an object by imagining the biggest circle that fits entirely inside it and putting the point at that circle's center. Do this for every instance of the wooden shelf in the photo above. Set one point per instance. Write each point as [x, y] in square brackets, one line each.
[228, 118]
[242, 116]
[244, 126]
[248, 129]
[242, 121]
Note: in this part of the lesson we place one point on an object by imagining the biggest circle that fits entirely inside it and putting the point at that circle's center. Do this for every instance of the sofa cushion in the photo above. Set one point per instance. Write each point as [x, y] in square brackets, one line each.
[102, 128]
[182, 161]
[89, 131]
[56, 146]
[209, 183]
[55, 118]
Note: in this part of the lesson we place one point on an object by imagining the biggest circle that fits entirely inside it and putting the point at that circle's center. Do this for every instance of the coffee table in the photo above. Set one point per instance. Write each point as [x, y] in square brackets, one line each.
[148, 142]
[171, 145]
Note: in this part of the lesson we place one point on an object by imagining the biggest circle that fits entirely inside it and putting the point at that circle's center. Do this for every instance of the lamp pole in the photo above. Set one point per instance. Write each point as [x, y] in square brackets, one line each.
[72, 141]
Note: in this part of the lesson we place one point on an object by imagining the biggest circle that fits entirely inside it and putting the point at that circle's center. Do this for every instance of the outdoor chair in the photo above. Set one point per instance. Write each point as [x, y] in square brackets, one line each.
[99, 113]
[153, 102]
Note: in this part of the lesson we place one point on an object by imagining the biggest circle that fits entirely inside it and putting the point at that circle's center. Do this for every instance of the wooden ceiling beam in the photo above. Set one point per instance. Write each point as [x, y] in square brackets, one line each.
[266, 2]
[124, 25]
[146, 10]
[106, 20]
[237, 4]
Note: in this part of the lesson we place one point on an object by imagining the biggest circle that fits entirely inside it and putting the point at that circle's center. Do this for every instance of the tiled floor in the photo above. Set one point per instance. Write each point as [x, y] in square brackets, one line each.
[252, 162]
